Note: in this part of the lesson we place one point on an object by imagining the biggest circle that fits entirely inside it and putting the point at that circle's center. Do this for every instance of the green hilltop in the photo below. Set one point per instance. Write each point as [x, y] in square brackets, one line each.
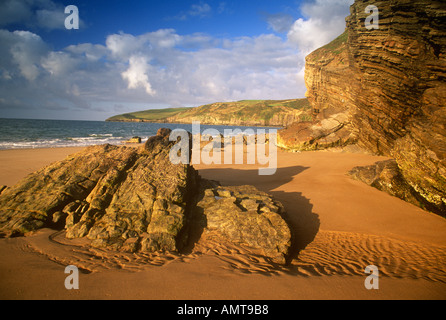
[147, 115]
[279, 113]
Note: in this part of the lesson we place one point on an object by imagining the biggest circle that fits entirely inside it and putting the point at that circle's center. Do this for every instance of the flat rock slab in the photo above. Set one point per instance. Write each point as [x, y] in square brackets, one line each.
[247, 216]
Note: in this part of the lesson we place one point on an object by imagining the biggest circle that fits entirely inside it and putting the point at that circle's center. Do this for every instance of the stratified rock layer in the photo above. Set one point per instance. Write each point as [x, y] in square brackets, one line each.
[133, 200]
[123, 198]
[391, 83]
[386, 176]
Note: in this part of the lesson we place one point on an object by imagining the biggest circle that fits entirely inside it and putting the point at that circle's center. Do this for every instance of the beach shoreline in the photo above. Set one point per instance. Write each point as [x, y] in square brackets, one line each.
[342, 226]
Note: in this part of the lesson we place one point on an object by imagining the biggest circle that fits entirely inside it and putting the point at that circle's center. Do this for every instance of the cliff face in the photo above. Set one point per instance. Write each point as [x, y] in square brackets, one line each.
[247, 113]
[391, 82]
[327, 76]
[278, 113]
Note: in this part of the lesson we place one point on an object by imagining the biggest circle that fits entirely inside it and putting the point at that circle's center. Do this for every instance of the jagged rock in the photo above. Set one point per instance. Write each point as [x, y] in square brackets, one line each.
[335, 131]
[386, 176]
[111, 195]
[247, 216]
[390, 82]
[136, 199]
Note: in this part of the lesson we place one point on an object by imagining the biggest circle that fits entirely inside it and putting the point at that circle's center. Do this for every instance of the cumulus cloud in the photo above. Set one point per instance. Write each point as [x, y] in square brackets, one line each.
[324, 21]
[137, 74]
[25, 49]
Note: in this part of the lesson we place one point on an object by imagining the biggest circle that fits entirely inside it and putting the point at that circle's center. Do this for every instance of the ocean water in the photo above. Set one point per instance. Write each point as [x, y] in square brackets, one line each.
[27, 133]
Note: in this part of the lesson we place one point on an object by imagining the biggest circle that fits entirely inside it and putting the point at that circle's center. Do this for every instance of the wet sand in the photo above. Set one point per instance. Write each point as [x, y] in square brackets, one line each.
[341, 227]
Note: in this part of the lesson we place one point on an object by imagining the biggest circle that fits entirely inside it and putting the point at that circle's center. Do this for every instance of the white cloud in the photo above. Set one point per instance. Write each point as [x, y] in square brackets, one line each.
[59, 63]
[51, 19]
[137, 74]
[200, 10]
[26, 53]
[325, 20]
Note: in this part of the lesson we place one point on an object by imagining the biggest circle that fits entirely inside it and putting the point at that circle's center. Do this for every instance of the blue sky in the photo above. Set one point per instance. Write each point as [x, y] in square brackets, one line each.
[135, 55]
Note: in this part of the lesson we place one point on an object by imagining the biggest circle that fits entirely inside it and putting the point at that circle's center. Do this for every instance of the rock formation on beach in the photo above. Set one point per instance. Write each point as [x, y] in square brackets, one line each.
[387, 89]
[136, 200]
[248, 216]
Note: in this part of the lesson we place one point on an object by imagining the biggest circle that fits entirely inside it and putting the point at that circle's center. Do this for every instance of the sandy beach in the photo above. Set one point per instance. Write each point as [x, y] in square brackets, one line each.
[341, 227]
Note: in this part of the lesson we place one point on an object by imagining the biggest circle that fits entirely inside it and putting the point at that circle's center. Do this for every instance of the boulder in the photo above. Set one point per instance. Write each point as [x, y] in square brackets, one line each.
[247, 216]
[386, 176]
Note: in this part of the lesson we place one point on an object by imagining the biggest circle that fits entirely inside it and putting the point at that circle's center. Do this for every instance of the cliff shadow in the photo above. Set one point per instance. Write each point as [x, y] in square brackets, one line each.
[303, 222]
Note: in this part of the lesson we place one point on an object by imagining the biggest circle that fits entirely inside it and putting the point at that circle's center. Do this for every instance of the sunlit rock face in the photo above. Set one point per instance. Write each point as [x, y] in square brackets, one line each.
[390, 84]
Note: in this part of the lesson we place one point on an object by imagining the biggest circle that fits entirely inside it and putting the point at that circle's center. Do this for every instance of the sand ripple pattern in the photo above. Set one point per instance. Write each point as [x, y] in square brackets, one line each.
[57, 248]
[343, 253]
[349, 253]
[331, 253]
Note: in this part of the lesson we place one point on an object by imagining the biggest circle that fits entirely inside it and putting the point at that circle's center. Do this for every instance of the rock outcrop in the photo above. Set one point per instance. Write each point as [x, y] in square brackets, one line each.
[327, 77]
[247, 216]
[334, 131]
[137, 200]
[386, 176]
[390, 84]
[119, 197]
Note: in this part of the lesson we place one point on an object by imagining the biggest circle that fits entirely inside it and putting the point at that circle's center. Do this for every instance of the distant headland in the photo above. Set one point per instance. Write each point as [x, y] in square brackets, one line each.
[275, 113]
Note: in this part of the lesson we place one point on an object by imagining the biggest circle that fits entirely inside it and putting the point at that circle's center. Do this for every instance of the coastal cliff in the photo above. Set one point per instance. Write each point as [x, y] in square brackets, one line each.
[276, 113]
[389, 85]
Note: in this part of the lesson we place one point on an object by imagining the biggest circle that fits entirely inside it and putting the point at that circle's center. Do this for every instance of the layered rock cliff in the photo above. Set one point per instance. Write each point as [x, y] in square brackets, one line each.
[390, 83]
[327, 76]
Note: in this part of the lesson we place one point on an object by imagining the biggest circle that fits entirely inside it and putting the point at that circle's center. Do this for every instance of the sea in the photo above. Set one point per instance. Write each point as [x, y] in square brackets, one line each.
[31, 134]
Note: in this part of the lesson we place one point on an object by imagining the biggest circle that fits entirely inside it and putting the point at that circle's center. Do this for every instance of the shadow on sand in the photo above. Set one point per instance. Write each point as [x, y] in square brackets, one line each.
[303, 223]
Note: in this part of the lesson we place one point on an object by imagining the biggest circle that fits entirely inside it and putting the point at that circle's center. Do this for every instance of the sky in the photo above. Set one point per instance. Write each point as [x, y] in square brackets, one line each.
[132, 55]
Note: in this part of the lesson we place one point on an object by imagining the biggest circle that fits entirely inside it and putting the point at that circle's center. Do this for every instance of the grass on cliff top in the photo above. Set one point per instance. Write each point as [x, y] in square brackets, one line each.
[225, 111]
[150, 115]
[246, 110]
[335, 47]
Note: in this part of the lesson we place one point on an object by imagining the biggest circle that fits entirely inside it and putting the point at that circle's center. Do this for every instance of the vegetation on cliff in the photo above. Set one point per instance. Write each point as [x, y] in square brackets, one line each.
[155, 115]
[245, 113]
